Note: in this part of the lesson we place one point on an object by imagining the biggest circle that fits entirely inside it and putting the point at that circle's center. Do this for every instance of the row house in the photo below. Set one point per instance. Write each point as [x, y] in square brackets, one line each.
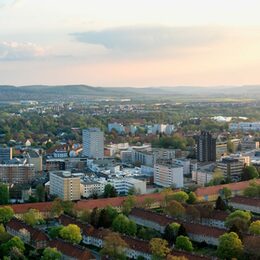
[196, 232]
[245, 203]
[28, 234]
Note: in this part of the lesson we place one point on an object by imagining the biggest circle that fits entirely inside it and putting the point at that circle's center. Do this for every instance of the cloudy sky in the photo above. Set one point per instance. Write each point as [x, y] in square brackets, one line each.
[130, 42]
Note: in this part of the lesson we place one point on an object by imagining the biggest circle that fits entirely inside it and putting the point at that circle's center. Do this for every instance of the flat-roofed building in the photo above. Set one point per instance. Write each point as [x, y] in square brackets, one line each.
[167, 174]
[6, 154]
[65, 185]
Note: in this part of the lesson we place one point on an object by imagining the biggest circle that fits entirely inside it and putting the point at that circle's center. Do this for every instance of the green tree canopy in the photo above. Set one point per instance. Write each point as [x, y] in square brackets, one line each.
[109, 191]
[4, 194]
[171, 232]
[159, 248]
[14, 242]
[33, 217]
[175, 209]
[6, 213]
[240, 219]
[184, 243]
[51, 254]
[254, 227]
[123, 225]
[180, 196]
[192, 198]
[249, 172]
[230, 246]
[128, 204]
[71, 233]
[253, 190]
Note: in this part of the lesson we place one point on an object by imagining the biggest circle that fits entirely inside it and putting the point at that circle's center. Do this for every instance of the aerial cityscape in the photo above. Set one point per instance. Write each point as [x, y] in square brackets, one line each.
[129, 130]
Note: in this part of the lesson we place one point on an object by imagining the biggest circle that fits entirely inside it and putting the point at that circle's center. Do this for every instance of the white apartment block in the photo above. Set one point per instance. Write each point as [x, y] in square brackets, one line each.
[123, 185]
[245, 126]
[185, 163]
[89, 188]
[65, 185]
[201, 177]
[93, 143]
[167, 174]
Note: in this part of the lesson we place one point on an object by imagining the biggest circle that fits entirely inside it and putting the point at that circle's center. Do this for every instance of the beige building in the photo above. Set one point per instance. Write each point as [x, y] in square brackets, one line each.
[17, 173]
[65, 185]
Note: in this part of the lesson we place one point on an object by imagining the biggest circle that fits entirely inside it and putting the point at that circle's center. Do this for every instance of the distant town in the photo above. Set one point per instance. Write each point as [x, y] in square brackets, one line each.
[124, 179]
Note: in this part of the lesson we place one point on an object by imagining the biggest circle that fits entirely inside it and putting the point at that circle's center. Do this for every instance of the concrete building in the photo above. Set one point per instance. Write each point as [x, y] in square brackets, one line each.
[143, 157]
[6, 154]
[202, 177]
[119, 128]
[232, 168]
[167, 174]
[249, 143]
[185, 163]
[17, 173]
[36, 159]
[245, 126]
[65, 185]
[221, 149]
[92, 187]
[93, 143]
[206, 147]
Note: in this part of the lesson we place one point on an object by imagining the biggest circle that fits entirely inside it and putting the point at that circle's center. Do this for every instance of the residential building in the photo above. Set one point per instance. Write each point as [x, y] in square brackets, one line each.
[245, 203]
[65, 185]
[206, 147]
[249, 143]
[232, 168]
[211, 193]
[221, 149]
[93, 143]
[6, 154]
[119, 128]
[36, 159]
[92, 187]
[17, 173]
[185, 163]
[143, 157]
[167, 174]
[245, 126]
[28, 234]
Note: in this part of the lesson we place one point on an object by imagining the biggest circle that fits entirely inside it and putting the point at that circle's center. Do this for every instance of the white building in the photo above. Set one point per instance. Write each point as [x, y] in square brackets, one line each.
[185, 163]
[65, 185]
[90, 187]
[123, 185]
[60, 154]
[202, 177]
[167, 174]
[93, 143]
[245, 126]
[119, 128]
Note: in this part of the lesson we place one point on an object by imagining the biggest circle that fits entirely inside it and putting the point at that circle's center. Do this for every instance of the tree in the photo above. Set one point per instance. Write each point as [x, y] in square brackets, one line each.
[33, 217]
[68, 208]
[109, 191]
[182, 231]
[192, 213]
[84, 215]
[175, 209]
[14, 242]
[192, 198]
[57, 207]
[132, 191]
[2, 229]
[123, 225]
[40, 193]
[254, 227]
[148, 202]
[230, 146]
[51, 254]
[4, 194]
[128, 204]
[94, 217]
[171, 232]
[249, 172]
[251, 245]
[184, 243]
[114, 247]
[240, 219]
[6, 213]
[226, 192]
[159, 248]
[55, 231]
[173, 257]
[179, 196]
[220, 204]
[71, 233]
[217, 178]
[230, 246]
[253, 190]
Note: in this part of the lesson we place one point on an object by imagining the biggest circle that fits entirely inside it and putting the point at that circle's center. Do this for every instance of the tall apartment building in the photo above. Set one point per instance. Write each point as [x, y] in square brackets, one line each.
[206, 147]
[6, 154]
[65, 185]
[167, 174]
[93, 143]
[17, 173]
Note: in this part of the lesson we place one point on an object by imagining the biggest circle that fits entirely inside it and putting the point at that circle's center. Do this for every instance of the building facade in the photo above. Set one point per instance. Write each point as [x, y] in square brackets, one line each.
[206, 147]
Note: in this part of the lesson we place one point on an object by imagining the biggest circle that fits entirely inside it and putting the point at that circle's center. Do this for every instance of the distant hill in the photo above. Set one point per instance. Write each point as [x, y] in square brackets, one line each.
[42, 92]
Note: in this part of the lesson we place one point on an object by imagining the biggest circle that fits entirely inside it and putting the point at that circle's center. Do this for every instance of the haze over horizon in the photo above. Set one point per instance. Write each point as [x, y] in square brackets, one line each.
[130, 43]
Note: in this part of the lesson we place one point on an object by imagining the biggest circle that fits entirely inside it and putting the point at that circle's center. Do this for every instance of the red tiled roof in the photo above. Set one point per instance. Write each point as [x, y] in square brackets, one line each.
[212, 190]
[71, 250]
[36, 234]
[84, 204]
[164, 220]
[246, 201]
[23, 208]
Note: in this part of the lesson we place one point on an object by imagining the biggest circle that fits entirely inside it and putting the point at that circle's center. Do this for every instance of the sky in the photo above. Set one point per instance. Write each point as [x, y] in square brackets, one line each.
[130, 43]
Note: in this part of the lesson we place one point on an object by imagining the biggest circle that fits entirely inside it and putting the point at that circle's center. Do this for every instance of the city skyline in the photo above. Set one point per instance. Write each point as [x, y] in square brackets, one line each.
[130, 43]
